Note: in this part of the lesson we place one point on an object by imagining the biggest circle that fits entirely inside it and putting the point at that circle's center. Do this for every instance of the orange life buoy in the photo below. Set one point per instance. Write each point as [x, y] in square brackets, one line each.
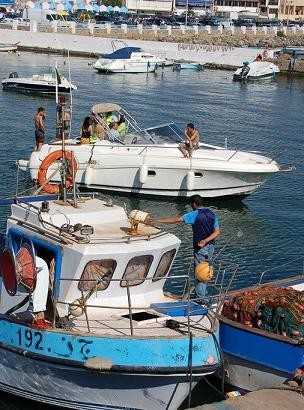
[47, 162]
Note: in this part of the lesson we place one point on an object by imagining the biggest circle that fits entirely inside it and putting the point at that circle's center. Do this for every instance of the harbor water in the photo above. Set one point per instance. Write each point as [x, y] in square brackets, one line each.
[264, 232]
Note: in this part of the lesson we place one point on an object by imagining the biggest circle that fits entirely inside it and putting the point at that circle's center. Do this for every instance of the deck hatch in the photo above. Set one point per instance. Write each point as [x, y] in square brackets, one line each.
[141, 316]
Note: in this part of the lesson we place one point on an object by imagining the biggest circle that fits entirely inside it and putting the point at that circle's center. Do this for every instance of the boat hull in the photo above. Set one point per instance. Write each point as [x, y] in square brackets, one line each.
[33, 88]
[76, 388]
[128, 69]
[7, 49]
[98, 372]
[124, 169]
[269, 76]
[257, 359]
[250, 376]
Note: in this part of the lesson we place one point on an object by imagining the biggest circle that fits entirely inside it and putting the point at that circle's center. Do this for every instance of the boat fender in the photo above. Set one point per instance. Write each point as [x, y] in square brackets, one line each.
[23, 164]
[98, 363]
[143, 174]
[190, 181]
[47, 162]
[88, 175]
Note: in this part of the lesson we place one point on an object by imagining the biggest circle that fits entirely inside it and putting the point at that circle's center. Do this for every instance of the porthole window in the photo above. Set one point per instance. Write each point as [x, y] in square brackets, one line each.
[164, 265]
[97, 274]
[136, 270]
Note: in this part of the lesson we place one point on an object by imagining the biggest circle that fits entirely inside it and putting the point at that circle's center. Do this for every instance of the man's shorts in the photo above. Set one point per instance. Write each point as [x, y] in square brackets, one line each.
[39, 135]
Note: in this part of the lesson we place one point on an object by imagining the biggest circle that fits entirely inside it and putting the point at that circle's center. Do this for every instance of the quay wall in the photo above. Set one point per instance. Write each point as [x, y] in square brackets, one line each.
[91, 46]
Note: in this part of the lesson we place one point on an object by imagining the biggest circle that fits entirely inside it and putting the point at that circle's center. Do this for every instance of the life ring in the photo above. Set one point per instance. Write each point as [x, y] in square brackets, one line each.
[47, 162]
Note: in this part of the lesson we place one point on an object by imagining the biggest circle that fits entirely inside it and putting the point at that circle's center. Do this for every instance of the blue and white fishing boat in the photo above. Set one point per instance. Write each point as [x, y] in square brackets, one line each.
[257, 358]
[114, 340]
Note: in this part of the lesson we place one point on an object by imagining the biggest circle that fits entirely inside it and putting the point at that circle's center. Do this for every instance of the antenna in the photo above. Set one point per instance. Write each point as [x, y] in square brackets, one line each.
[63, 130]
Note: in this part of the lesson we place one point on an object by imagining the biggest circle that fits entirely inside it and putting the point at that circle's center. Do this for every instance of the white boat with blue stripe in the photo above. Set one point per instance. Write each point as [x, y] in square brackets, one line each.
[113, 340]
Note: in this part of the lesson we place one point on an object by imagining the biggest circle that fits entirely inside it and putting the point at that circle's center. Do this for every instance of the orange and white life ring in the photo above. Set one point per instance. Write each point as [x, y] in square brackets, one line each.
[47, 162]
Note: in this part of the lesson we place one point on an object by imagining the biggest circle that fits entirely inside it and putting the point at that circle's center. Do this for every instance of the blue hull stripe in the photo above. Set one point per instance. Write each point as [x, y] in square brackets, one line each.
[153, 353]
[256, 348]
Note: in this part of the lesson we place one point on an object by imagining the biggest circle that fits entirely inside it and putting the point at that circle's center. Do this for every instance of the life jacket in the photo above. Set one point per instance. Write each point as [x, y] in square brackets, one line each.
[203, 226]
[122, 129]
[93, 139]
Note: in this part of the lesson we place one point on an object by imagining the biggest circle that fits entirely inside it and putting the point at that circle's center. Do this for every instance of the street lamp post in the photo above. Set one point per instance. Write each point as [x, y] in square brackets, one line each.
[187, 8]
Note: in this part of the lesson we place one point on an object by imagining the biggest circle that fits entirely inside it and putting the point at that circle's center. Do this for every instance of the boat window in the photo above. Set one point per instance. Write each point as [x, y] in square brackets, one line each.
[151, 173]
[164, 265]
[136, 270]
[97, 274]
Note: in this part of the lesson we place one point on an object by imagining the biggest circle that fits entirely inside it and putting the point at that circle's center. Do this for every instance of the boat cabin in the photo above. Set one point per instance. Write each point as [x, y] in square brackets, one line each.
[91, 254]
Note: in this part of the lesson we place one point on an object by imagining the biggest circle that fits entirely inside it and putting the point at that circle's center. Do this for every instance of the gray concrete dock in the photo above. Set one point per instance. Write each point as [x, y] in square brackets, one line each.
[272, 399]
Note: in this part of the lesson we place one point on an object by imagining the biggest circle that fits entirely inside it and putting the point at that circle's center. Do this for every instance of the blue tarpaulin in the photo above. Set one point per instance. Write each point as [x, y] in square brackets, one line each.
[122, 53]
[7, 2]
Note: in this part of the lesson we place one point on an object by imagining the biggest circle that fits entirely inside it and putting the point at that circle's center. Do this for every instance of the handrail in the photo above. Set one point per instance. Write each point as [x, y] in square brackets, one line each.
[85, 240]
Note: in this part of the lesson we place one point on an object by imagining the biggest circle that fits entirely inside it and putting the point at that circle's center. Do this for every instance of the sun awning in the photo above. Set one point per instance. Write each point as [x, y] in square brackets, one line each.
[105, 107]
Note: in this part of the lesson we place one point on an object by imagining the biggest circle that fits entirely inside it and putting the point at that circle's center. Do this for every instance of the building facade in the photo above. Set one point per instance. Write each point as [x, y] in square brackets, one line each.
[150, 6]
[291, 10]
[231, 8]
[269, 8]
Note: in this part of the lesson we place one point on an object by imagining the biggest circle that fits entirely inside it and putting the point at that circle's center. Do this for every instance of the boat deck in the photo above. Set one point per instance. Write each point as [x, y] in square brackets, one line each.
[148, 323]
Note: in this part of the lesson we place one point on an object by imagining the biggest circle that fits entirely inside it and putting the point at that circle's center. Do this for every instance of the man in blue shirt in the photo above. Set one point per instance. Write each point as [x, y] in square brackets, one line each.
[205, 227]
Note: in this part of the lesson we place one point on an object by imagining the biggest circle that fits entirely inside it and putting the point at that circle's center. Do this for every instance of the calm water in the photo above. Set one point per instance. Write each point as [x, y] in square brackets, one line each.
[265, 231]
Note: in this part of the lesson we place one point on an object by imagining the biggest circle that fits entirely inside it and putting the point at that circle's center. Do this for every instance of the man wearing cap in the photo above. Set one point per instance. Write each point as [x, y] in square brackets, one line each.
[205, 227]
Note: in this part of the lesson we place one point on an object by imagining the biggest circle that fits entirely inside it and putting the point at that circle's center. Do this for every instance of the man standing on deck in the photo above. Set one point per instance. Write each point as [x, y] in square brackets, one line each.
[39, 121]
[205, 227]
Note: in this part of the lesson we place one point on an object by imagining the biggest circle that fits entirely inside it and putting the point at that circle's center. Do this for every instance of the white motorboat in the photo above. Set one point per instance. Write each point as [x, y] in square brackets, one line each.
[256, 70]
[44, 83]
[129, 60]
[148, 161]
[5, 47]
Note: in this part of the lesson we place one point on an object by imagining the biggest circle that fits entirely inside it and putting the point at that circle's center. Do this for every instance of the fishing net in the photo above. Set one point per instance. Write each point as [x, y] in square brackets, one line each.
[276, 310]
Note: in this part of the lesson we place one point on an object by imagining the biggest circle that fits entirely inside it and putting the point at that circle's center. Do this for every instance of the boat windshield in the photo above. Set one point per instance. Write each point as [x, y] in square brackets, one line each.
[114, 123]
[165, 133]
[161, 134]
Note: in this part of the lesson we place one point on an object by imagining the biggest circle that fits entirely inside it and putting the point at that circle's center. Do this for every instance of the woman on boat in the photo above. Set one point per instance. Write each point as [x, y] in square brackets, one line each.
[86, 131]
[191, 142]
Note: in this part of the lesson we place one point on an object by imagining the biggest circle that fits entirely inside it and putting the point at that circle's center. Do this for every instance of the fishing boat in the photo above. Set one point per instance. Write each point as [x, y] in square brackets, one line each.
[8, 47]
[256, 70]
[149, 161]
[109, 338]
[44, 83]
[260, 335]
[131, 60]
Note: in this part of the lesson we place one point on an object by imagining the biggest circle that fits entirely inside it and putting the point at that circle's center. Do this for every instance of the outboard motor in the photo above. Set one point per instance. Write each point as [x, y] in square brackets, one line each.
[13, 75]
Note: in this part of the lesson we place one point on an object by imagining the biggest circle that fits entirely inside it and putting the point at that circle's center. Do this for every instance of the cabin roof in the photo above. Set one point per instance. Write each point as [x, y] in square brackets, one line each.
[105, 107]
[108, 222]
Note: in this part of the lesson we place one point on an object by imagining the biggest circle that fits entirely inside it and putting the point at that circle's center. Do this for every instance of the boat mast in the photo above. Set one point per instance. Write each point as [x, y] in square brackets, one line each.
[60, 135]
[63, 120]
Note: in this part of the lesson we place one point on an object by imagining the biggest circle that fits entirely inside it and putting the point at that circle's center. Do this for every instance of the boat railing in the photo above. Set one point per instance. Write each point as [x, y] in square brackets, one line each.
[188, 302]
[269, 277]
[60, 234]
